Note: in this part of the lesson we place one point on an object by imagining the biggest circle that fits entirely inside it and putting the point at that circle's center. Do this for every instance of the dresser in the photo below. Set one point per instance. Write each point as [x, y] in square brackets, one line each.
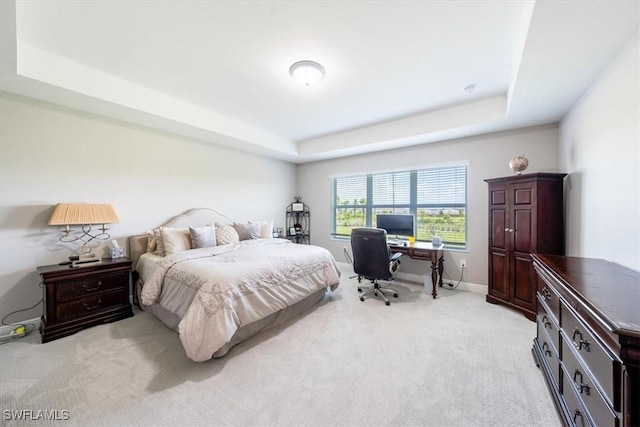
[525, 217]
[80, 297]
[588, 339]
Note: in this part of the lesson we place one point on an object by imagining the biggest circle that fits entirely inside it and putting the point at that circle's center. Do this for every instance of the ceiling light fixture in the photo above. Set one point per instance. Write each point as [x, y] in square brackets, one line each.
[307, 72]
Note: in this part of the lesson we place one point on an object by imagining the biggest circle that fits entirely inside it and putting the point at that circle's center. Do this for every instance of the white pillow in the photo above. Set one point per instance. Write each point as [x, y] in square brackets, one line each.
[152, 244]
[203, 237]
[266, 228]
[159, 242]
[175, 239]
[247, 231]
[226, 234]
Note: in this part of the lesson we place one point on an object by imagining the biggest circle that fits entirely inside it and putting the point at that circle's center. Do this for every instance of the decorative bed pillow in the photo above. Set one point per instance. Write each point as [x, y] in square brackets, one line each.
[226, 234]
[159, 243]
[175, 239]
[266, 228]
[247, 231]
[203, 237]
[152, 244]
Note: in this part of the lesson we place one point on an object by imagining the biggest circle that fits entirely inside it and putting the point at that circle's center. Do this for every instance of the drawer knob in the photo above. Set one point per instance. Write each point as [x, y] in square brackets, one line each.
[577, 414]
[580, 386]
[545, 347]
[582, 343]
[546, 293]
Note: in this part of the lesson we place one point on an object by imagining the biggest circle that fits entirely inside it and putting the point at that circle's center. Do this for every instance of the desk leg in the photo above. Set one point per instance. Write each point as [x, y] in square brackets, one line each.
[434, 275]
[440, 269]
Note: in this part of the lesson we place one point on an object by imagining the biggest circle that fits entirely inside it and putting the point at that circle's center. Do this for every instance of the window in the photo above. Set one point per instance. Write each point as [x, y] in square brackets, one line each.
[437, 197]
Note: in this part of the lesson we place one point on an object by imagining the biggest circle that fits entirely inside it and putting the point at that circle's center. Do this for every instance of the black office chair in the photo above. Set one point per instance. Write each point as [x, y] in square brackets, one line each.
[373, 261]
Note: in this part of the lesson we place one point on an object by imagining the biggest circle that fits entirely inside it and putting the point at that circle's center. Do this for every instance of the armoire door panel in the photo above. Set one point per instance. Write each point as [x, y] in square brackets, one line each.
[523, 290]
[498, 226]
[523, 230]
[522, 196]
[499, 197]
[499, 280]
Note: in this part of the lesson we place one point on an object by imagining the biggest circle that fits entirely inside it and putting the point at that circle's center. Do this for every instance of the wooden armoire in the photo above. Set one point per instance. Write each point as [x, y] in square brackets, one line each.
[525, 217]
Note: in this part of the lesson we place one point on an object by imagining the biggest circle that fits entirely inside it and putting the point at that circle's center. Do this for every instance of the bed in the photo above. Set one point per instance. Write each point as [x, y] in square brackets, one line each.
[219, 295]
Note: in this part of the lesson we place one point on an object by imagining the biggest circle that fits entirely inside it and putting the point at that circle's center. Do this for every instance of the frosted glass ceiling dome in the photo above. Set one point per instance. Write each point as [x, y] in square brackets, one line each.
[307, 72]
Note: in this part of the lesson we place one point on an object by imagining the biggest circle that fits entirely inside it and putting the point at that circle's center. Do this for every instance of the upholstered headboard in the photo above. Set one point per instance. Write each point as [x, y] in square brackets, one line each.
[196, 216]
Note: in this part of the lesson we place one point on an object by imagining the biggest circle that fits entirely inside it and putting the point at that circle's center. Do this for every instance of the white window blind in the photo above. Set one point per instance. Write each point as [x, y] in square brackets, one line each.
[437, 198]
[391, 189]
[442, 186]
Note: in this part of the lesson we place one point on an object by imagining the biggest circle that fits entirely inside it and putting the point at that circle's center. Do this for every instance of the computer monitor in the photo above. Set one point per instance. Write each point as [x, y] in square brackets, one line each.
[395, 224]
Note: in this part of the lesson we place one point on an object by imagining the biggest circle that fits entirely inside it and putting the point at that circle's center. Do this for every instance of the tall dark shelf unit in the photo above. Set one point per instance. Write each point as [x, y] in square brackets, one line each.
[298, 221]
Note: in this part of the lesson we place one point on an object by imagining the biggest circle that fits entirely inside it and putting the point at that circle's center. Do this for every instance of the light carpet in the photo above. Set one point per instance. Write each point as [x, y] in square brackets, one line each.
[453, 361]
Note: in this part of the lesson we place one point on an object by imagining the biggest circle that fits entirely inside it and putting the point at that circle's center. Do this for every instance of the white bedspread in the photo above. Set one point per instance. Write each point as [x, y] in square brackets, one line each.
[217, 290]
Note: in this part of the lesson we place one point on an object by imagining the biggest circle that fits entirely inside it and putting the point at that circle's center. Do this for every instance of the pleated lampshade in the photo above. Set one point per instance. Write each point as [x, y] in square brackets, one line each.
[83, 214]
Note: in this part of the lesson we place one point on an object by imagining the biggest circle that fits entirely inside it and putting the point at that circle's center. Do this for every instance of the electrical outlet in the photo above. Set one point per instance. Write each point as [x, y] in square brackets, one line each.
[463, 263]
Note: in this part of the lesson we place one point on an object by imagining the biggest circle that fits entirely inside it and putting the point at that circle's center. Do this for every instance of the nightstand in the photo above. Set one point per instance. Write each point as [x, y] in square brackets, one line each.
[79, 297]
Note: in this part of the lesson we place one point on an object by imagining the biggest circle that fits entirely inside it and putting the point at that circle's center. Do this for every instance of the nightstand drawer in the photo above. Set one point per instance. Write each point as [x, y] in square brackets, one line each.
[82, 306]
[91, 285]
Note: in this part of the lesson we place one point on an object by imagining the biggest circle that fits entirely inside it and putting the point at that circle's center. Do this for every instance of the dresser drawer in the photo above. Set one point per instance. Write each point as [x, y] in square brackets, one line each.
[602, 366]
[577, 414]
[547, 294]
[91, 285]
[548, 323]
[578, 377]
[83, 306]
[550, 354]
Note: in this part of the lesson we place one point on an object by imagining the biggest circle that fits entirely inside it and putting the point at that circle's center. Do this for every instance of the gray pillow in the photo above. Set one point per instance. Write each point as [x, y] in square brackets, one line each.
[203, 237]
[247, 231]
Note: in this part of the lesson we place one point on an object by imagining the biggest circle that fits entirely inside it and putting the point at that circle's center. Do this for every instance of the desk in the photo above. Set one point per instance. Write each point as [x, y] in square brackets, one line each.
[427, 252]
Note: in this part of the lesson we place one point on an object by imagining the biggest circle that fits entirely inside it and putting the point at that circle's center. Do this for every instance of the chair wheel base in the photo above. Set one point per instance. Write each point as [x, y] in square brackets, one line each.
[359, 289]
[395, 295]
[361, 299]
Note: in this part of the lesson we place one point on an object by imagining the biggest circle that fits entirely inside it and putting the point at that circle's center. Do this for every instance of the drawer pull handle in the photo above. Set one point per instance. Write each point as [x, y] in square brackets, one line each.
[547, 294]
[92, 307]
[582, 343]
[546, 322]
[88, 289]
[545, 347]
[577, 414]
[581, 387]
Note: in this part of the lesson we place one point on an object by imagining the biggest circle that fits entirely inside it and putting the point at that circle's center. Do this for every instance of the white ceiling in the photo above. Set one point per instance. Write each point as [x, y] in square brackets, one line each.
[218, 70]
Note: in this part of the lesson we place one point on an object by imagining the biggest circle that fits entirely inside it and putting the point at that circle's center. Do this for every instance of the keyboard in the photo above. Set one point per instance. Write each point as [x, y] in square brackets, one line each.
[393, 242]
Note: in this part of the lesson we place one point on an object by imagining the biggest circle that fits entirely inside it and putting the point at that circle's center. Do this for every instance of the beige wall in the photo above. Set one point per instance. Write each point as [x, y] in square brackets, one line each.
[50, 154]
[600, 148]
[488, 157]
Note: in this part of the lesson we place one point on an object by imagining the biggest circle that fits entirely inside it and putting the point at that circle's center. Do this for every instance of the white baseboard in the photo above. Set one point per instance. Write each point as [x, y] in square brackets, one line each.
[416, 279]
[420, 279]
